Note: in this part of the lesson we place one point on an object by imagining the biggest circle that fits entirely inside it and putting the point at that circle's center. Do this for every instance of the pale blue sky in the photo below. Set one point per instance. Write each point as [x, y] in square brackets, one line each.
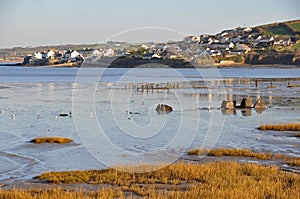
[43, 22]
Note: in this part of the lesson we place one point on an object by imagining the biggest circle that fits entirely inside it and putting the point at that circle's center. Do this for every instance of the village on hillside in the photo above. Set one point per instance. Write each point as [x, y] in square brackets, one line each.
[229, 47]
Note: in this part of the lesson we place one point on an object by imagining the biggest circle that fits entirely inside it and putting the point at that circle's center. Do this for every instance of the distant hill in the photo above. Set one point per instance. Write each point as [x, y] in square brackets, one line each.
[291, 28]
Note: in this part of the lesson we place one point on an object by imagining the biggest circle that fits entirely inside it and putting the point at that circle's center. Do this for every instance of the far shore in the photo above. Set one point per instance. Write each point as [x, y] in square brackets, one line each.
[76, 65]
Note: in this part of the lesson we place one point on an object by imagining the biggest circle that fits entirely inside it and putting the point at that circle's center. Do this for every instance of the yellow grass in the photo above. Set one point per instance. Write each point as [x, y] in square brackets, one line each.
[231, 152]
[280, 127]
[183, 180]
[59, 140]
[298, 135]
[294, 162]
[60, 194]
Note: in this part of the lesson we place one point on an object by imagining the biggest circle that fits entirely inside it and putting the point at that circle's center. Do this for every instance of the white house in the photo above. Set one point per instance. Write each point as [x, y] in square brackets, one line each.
[75, 54]
[40, 55]
[51, 54]
[231, 45]
[156, 56]
[282, 41]
[109, 52]
[248, 29]
[97, 53]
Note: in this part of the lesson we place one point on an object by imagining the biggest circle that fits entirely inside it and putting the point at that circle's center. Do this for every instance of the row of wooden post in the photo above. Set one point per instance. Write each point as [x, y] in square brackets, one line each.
[146, 87]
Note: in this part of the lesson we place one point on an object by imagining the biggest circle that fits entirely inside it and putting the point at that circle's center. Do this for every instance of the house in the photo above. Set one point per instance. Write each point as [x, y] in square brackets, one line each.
[248, 29]
[282, 41]
[156, 56]
[109, 52]
[263, 41]
[224, 39]
[217, 46]
[51, 54]
[215, 53]
[189, 39]
[147, 56]
[246, 39]
[76, 56]
[40, 55]
[67, 54]
[243, 48]
[97, 53]
[227, 32]
[231, 45]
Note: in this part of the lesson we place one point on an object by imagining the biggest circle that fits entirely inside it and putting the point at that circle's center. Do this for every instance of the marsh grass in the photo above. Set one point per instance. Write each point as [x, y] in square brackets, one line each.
[298, 135]
[60, 194]
[210, 180]
[292, 161]
[231, 152]
[58, 140]
[280, 127]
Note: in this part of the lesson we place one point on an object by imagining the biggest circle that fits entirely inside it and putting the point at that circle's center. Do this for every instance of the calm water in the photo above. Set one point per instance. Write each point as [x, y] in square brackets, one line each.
[113, 123]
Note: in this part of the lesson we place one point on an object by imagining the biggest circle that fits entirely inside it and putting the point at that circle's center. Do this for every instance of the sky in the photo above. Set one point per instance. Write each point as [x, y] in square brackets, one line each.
[27, 23]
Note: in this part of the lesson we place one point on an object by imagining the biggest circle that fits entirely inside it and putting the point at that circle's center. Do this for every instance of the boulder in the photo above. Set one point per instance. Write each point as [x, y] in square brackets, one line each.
[163, 108]
[246, 102]
[260, 105]
[228, 104]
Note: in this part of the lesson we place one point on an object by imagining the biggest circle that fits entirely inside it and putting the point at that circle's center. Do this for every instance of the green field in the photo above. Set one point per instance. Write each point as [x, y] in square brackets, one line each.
[295, 26]
[291, 28]
[278, 30]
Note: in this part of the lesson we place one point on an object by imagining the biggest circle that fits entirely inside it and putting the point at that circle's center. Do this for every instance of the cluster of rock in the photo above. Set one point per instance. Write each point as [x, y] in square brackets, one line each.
[245, 104]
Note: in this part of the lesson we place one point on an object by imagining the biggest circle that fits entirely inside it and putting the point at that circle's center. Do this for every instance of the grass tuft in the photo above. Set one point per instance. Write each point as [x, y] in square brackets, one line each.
[298, 135]
[280, 127]
[58, 140]
[294, 162]
[231, 152]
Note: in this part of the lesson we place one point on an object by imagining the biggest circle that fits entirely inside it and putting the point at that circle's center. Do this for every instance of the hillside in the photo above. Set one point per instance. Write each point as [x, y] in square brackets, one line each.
[291, 28]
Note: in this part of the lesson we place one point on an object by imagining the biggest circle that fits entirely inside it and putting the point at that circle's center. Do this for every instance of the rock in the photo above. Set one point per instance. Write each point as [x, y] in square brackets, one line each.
[163, 108]
[246, 102]
[228, 104]
[65, 114]
[260, 105]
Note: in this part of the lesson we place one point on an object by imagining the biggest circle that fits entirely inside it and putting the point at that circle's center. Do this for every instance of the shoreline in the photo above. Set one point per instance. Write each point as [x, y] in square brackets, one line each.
[76, 65]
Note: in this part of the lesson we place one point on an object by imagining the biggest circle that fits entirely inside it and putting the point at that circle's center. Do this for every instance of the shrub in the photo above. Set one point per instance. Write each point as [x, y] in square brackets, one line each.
[280, 127]
[58, 140]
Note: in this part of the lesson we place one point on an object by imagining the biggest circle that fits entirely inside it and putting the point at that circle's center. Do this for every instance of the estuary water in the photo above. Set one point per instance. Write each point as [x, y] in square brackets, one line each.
[113, 118]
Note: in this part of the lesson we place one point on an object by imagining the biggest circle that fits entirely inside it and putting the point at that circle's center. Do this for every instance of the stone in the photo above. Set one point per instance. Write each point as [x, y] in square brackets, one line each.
[228, 104]
[246, 102]
[163, 108]
[260, 106]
